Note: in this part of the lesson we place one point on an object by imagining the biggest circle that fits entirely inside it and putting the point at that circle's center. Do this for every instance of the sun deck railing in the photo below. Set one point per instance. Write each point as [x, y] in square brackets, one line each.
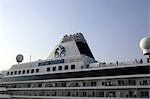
[133, 62]
[119, 63]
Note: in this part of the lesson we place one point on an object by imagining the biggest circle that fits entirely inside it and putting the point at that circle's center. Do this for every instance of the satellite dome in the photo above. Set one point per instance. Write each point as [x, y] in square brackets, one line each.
[145, 45]
[19, 58]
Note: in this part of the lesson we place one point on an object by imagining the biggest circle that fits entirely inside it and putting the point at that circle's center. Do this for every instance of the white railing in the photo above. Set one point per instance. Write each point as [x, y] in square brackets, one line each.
[4, 96]
[75, 88]
[3, 89]
[64, 97]
[119, 63]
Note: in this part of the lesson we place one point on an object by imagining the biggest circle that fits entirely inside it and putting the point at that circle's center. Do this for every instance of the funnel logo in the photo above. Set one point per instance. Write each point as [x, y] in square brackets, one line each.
[60, 51]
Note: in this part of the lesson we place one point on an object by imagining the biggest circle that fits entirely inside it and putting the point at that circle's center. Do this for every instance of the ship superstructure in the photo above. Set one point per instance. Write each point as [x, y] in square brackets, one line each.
[3, 91]
[71, 72]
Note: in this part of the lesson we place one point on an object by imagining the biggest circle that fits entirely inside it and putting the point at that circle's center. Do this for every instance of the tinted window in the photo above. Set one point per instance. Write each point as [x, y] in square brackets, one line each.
[101, 94]
[103, 83]
[131, 82]
[48, 69]
[11, 73]
[28, 71]
[145, 82]
[144, 94]
[29, 85]
[32, 70]
[15, 72]
[19, 72]
[7, 73]
[23, 71]
[40, 85]
[66, 67]
[60, 68]
[121, 82]
[54, 68]
[72, 66]
[93, 83]
[37, 70]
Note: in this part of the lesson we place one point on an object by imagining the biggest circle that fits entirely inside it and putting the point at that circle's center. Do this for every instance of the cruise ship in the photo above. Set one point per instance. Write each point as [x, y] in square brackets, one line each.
[71, 72]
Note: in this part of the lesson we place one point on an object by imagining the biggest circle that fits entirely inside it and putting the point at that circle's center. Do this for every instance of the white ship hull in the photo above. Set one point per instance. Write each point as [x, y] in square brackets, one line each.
[71, 72]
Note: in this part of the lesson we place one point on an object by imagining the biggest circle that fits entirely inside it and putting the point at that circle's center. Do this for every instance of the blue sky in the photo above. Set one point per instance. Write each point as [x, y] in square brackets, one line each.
[113, 28]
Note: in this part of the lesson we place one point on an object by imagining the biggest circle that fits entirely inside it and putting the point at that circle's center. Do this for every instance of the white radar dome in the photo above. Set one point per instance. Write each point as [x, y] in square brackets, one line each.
[19, 58]
[145, 45]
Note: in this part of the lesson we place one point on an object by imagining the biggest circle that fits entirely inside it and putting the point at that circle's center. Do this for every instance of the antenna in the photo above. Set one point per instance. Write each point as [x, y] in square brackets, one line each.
[30, 58]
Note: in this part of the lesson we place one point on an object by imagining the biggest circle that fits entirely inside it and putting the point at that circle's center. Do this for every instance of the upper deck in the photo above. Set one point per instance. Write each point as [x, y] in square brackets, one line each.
[73, 55]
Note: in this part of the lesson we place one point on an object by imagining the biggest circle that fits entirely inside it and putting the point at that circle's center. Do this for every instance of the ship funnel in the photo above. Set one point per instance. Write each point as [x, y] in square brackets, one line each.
[71, 46]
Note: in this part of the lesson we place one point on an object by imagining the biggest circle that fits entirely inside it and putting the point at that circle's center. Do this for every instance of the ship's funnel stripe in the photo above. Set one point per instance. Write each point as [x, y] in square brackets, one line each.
[84, 49]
